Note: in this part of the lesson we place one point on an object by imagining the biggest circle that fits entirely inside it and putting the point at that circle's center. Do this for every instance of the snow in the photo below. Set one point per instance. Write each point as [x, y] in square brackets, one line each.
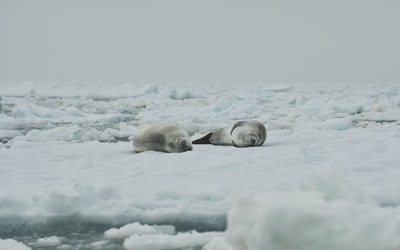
[330, 158]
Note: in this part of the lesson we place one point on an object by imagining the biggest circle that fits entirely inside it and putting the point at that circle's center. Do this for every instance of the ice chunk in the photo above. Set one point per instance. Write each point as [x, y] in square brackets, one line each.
[308, 221]
[10, 244]
[49, 241]
[164, 242]
[137, 229]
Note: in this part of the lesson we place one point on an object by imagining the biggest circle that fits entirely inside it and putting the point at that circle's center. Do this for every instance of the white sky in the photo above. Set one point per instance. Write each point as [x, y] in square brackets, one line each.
[204, 40]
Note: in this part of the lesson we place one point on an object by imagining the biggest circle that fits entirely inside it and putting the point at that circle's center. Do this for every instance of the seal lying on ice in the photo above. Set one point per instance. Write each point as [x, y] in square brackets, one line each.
[241, 134]
[165, 137]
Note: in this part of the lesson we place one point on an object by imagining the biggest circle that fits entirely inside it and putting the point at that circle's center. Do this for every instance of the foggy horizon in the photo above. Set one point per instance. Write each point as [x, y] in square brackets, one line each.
[204, 41]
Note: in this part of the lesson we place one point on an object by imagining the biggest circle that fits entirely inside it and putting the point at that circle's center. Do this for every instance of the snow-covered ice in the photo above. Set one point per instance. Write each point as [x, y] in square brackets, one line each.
[330, 166]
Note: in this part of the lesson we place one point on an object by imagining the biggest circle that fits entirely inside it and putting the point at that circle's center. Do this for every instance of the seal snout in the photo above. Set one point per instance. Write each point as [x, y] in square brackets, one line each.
[184, 145]
[186, 148]
[189, 148]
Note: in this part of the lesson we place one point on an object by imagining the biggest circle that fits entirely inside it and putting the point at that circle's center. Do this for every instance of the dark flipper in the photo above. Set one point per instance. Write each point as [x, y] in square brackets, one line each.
[203, 140]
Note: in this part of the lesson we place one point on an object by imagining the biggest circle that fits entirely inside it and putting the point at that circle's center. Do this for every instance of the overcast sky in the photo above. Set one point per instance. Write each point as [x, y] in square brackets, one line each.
[204, 40]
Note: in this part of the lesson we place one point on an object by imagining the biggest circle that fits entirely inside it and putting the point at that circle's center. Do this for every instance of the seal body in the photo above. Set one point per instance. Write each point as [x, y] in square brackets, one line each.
[248, 133]
[164, 137]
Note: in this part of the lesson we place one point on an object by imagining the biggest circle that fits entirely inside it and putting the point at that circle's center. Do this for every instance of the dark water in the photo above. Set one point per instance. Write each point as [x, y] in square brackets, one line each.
[87, 232]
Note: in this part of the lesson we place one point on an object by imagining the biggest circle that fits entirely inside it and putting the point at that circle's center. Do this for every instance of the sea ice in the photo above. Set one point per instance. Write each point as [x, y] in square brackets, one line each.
[339, 141]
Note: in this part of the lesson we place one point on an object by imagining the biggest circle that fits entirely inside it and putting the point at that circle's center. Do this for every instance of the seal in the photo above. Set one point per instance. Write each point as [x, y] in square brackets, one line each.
[249, 133]
[164, 137]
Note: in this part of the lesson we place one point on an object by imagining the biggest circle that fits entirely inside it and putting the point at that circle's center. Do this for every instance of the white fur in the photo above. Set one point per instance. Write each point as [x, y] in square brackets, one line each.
[165, 137]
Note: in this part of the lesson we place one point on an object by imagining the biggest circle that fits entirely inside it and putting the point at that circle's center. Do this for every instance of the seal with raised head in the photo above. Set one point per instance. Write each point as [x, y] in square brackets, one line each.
[164, 137]
[248, 133]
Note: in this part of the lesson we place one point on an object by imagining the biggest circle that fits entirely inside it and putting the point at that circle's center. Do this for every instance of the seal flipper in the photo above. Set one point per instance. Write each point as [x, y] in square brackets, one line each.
[203, 140]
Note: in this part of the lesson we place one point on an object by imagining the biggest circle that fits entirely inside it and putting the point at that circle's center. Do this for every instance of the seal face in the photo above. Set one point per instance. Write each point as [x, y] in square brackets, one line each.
[248, 133]
[164, 137]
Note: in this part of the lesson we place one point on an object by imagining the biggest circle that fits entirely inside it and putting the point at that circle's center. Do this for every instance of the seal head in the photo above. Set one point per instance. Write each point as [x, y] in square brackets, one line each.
[248, 134]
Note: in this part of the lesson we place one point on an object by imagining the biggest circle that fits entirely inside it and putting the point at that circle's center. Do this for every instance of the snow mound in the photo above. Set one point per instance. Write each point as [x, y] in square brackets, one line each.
[305, 220]
[10, 244]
